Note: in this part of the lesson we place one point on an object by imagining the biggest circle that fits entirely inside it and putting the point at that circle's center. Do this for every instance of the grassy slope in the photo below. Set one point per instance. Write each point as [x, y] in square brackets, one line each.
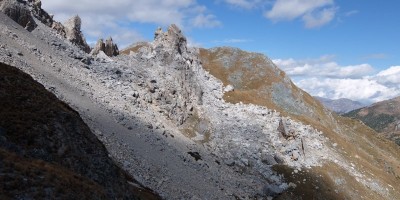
[374, 156]
[383, 117]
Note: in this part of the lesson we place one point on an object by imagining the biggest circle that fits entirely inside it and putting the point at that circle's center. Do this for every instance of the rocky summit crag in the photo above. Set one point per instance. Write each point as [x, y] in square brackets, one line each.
[216, 123]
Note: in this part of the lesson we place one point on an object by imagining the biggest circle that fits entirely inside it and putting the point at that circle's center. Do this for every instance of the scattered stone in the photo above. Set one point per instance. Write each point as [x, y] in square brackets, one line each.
[230, 162]
[229, 88]
[195, 155]
[268, 159]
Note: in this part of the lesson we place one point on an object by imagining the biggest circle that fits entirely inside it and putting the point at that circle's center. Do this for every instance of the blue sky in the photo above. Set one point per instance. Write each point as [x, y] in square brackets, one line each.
[330, 48]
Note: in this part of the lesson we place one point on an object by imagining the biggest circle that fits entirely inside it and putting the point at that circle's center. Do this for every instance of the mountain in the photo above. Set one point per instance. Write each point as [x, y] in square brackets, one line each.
[217, 123]
[48, 152]
[383, 117]
[341, 105]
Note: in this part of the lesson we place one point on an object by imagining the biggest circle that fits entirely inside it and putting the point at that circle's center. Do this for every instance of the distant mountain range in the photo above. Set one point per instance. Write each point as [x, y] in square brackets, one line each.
[383, 117]
[340, 106]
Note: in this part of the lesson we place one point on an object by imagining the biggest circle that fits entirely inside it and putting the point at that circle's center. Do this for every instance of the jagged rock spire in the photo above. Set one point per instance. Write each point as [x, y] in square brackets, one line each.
[173, 38]
[74, 34]
[109, 48]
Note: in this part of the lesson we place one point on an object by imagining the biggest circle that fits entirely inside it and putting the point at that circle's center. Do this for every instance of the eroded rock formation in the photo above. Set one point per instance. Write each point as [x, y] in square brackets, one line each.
[108, 47]
[74, 33]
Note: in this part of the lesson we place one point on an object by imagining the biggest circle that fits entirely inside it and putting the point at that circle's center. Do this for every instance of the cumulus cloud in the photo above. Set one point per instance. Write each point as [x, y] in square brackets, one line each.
[108, 17]
[390, 76]
[324, 67]
[314, 13]
[325, 78]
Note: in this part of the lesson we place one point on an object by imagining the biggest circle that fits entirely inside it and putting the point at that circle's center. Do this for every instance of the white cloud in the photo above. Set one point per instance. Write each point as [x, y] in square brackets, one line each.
[108, 17]
[326, 78]
[317, 19]
[350, 13]
[323, 67]
[246, 4]
[362, 89]
[314, 13]
[232, 41]
[390, 76]
[207, 21]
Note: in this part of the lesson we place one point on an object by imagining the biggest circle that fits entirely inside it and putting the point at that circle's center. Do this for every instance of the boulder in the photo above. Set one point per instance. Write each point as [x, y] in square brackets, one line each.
[74, 33]
[19, 12]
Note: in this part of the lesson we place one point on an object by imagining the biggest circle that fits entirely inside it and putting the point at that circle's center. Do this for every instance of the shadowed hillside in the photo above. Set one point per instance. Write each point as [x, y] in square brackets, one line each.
[47, 152]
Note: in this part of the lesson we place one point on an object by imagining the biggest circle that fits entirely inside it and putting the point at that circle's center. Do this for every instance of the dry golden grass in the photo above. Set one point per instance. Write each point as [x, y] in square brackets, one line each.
[135, 48]
[374, 156]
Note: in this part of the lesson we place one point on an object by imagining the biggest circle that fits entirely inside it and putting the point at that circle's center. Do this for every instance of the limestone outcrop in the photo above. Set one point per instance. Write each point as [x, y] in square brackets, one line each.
[19, 12]
[108, 47]
[74, 34]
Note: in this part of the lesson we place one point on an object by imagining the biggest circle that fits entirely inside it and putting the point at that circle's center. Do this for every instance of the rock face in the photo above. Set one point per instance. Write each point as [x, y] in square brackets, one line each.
[340, 106]
[74, 34]
[47, 151]
[109, 48]
[19, 12]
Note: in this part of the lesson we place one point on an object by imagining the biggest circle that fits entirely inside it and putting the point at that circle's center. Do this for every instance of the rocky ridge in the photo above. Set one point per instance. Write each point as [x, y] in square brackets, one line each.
[165, 118]
[383, 117]
[340, 106]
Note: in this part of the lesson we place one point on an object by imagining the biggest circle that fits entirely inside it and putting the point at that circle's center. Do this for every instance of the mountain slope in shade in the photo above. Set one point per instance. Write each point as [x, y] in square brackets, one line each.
[383, 117]
[341, 105]
[48, 152]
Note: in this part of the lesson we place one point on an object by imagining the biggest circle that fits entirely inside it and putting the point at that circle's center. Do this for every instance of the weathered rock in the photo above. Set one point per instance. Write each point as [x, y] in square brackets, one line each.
[173, 39]
[158, 32]
[19, 12]
[229, 88]
[41, 14]
[282, 129]
[102, 57]
[74, 33]
[268, 159]
[59, 28]
[230, 162]
[109, 48]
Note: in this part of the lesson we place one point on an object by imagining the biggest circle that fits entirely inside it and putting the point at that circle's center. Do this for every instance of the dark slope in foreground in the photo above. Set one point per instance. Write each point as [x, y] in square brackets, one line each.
[48, 152]
[383, 117]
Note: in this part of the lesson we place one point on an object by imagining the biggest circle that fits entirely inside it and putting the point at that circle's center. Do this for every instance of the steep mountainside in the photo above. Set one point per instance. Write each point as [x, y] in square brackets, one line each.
[340, 106]
[383, 117]
[48, 152]
[216, 123]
